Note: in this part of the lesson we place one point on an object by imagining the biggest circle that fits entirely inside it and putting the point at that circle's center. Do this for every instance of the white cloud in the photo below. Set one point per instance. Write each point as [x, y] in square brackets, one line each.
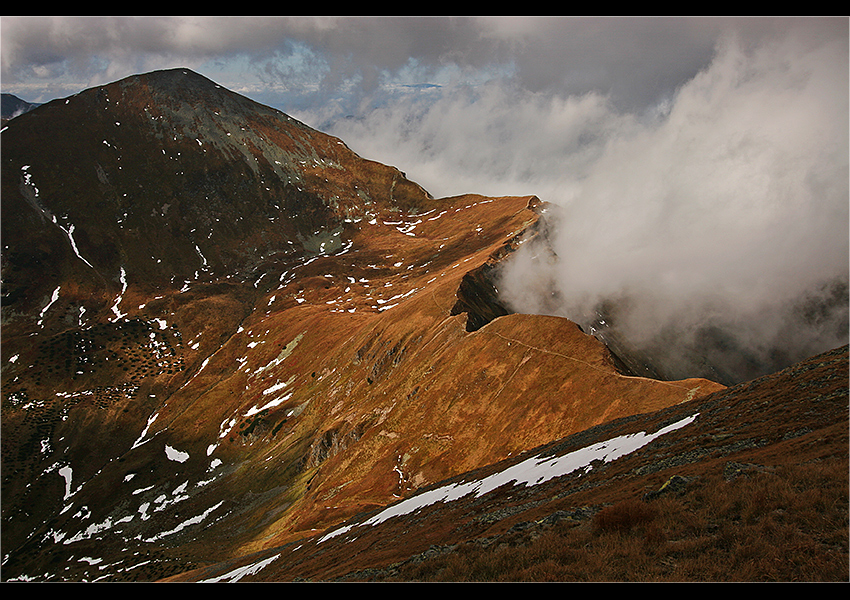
[728, 212]
[722, 207]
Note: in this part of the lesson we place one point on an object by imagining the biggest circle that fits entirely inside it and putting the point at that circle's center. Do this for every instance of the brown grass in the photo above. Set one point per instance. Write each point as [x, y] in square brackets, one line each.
[785, 524]
[624, 516]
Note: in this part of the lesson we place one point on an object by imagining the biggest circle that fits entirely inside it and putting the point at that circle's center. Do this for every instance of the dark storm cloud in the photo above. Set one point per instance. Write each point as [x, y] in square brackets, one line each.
[53, 55]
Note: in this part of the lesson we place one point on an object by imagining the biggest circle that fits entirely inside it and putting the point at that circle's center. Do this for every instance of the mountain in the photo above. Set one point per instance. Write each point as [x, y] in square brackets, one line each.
[225, 332]
[11, 106]
[747, 484]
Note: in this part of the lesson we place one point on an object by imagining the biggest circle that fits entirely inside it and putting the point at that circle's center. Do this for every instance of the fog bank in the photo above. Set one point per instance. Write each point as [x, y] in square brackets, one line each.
[715, 220]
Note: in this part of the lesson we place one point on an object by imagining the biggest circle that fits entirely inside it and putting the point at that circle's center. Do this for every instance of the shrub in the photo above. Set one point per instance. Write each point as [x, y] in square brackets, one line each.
[623, 516]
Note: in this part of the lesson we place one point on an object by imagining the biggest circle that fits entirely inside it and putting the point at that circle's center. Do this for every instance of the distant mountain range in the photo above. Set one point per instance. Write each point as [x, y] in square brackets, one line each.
[229, 339]
[12, 106]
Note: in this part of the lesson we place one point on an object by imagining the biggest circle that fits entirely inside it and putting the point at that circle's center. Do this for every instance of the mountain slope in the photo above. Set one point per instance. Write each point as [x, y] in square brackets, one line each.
[224, 331]
[186, 180]
[747, 484]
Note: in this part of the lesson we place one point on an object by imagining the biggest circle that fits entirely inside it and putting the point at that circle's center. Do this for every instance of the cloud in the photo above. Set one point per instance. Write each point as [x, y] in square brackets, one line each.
[727, 216]
[714, 218]
[492, 138]
[698, 168]
[630, 59]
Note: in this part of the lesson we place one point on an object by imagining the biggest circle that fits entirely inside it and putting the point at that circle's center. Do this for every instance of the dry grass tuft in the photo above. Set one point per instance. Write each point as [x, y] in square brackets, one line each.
[623, 516]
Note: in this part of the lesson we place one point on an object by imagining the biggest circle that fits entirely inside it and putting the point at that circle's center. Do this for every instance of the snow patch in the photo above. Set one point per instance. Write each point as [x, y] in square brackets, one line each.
[53, 298]
[532, 471]
[118, 314]
[66, 472]
[176, 455]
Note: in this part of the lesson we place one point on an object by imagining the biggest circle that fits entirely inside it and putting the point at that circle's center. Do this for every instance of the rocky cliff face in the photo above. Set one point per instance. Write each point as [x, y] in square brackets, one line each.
[224, 331]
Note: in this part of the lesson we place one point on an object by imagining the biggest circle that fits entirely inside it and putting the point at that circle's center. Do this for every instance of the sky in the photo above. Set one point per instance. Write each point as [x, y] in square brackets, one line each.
[697, 168]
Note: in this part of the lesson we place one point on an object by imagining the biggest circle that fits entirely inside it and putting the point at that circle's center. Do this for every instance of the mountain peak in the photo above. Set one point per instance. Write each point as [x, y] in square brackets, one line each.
[181, 86]
[164, 175]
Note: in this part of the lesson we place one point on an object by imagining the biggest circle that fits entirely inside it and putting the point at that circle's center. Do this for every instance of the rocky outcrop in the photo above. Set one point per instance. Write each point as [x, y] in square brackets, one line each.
[478, 293]
[478, 297]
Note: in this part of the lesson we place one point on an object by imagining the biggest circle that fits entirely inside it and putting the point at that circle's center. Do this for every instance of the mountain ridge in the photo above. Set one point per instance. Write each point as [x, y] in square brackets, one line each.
[686, 475]
[226, 170]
